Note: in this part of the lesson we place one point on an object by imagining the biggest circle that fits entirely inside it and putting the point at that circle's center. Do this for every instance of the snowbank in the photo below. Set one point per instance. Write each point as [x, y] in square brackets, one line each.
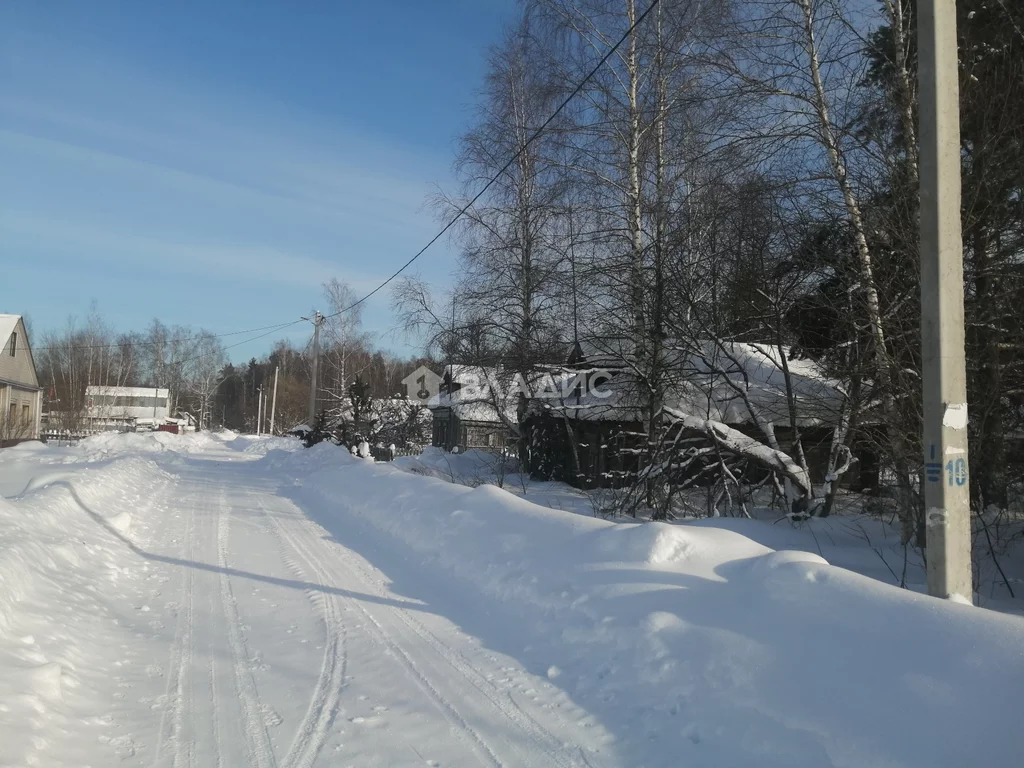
[473, 467]
[697, 645]
[62, 565]
[112, 444]
[260, 446]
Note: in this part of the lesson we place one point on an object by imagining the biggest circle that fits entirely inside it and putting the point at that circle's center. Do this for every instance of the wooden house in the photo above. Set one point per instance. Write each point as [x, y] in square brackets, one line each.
[473, 410]
[20, 393]
[593, 434]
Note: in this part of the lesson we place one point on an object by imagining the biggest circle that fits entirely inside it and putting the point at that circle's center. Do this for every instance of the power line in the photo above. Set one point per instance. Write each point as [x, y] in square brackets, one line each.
[171, 340]
[507, 165]
[462, 211]
[236, 344]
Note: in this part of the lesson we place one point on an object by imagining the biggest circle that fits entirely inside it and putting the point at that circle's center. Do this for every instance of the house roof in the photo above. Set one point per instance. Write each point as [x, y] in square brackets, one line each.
[482, 395]
[724, 382]
[7, 325]
[473, 404]
[477, 411]
[719, 375]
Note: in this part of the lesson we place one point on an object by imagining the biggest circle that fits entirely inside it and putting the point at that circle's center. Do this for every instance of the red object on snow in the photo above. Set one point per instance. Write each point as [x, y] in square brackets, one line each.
[172, 428]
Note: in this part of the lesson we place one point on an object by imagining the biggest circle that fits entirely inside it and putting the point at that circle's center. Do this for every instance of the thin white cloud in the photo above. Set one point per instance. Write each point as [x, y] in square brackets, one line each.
[143, 255]
[330, 191]
[134, 175]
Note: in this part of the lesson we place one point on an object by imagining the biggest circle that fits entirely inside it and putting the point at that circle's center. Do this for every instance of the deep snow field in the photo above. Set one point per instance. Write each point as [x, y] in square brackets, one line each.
[208, 600]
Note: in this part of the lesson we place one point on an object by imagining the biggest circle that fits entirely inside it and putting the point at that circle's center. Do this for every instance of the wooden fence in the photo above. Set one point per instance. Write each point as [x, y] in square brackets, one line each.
[66, 436]
[383, 453]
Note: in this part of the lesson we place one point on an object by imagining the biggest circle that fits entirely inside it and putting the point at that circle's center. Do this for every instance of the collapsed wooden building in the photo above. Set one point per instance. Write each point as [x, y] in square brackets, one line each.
[589, 427]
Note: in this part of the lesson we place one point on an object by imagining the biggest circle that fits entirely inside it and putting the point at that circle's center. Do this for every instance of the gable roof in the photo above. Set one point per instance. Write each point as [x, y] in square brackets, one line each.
[474, 407]
[8, 323]
[479, 396]
[485, 393]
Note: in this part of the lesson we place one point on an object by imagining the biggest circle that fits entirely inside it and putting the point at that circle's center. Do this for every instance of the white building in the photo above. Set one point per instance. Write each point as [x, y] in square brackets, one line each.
[127, 407]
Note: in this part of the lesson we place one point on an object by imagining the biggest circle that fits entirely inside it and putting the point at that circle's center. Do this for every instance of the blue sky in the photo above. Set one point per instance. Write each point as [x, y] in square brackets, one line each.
[212, 163]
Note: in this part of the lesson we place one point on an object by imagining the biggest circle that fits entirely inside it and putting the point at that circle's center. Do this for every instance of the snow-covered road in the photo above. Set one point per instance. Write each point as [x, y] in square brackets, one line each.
[220, 601]
[283, 647]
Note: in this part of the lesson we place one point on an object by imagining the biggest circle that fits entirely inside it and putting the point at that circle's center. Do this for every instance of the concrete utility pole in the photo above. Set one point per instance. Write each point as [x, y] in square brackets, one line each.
[946, 486]
[259, 411]
[318, 320]
[273, 403]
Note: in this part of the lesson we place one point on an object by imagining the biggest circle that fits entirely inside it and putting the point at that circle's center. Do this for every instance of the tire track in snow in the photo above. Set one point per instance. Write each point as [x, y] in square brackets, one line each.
[258, 747]
[501, 699]
[312, 732]
[172, 720]
[218, 736]
[464, 730]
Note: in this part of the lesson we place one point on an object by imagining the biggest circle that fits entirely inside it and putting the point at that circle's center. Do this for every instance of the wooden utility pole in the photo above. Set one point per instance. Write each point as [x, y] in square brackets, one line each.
[946, 486]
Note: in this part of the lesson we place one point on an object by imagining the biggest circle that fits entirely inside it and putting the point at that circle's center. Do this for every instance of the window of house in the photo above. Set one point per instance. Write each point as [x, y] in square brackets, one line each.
[24, 413]
[14, 343]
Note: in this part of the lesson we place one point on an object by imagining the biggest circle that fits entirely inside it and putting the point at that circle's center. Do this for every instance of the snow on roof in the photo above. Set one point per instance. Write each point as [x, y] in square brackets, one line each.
[471, 404]
[723, 382]
[720, 375]
[7, 325]
[485, 394]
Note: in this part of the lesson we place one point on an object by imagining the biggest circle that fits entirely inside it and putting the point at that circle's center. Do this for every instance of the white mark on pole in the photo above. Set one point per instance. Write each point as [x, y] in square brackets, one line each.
[955, 416]
[935, 516]
[950, 450]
